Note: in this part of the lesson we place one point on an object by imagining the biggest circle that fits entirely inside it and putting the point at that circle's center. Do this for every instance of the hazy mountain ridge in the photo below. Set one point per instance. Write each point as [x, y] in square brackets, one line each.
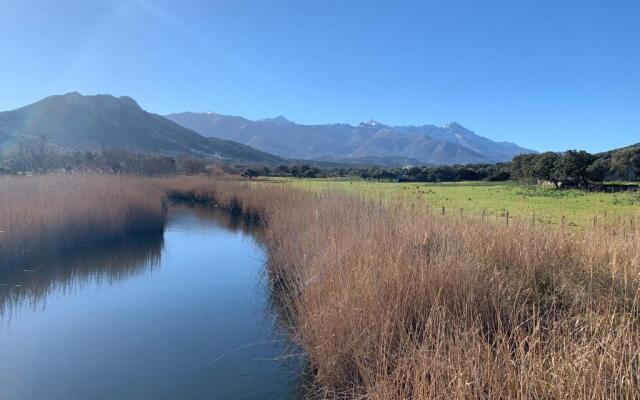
[450, 144]
[612, 152]
[76, 122]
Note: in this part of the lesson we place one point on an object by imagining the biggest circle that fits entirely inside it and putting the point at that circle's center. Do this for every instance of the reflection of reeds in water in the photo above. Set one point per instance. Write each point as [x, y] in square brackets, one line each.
[211, 213]
[66, 271]
[302, 385]
[277, 323]
[57, 212]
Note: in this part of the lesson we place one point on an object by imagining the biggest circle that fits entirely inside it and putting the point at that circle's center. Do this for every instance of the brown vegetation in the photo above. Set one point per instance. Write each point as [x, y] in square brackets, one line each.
[395, 303]
[52, 212]
[391, 302]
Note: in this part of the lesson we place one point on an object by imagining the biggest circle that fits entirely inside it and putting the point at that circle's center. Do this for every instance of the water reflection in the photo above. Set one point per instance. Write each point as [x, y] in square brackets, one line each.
[93, 264]
[211, 214]
[187, 314]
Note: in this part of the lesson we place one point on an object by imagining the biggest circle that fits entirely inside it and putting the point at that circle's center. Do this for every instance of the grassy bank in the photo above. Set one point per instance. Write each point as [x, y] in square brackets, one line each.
[397, 302]
[545, 205]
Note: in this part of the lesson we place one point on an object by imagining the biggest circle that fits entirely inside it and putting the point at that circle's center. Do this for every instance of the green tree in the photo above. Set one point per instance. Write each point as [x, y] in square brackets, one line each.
[598, 170]
[34, 154]
[412, 172]
[573, 165]
[249, 173]
[544, 167]
[443, 174]
[627, 163]
[466, 174]
[522, 167]
[310, 173]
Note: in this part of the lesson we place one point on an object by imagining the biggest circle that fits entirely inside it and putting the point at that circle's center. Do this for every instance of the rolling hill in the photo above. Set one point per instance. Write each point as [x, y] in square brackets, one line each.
[75, 122]
[611, 153]
[429, 144]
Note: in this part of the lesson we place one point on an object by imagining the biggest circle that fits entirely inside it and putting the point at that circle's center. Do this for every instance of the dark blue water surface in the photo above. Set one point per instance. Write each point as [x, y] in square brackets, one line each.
[182, 315]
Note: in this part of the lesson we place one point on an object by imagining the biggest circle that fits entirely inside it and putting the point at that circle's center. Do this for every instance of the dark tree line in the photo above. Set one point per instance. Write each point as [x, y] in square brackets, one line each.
[296, 171]
[570, 169]
[475, 172]
[37, 156]
[577, 168]
[444, 173]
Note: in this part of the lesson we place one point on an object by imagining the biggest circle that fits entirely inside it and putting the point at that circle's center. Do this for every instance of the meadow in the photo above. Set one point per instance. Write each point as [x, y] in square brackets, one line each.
[493, 199]
[394, 301]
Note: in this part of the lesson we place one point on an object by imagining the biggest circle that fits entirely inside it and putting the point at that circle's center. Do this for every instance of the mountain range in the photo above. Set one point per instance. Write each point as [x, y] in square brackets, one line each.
[74, 122]
[368, 142]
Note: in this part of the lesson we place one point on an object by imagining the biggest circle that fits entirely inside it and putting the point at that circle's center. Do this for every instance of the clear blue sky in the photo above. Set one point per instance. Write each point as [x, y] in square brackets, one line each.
[545, 74]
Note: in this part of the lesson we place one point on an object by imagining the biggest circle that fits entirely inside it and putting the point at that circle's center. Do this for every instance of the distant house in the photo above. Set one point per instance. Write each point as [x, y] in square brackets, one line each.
[545, 183]
[569, 184]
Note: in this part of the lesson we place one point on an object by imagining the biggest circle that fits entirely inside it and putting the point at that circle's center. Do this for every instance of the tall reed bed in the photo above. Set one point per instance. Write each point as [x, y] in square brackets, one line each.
[393, 302]
[40, 214]
[396, 303]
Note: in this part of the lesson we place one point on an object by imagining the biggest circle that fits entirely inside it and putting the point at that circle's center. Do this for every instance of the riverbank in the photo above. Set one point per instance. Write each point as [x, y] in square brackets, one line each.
[395, 301]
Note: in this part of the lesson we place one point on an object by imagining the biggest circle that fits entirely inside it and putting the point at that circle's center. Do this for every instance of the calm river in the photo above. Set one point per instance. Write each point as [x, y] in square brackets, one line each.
[182, 315]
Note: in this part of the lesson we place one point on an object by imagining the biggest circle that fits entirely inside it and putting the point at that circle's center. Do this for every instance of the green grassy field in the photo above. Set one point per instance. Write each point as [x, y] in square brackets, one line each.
[545, 205]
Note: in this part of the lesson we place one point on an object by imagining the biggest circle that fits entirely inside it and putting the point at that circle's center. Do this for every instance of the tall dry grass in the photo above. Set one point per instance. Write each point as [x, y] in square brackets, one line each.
[395, 303]
[391, 302]
[40, 214]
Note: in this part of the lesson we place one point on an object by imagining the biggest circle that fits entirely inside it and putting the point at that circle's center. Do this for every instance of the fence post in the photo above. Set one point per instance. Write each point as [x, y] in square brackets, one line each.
[507, 218]
[483, 213]
[443, 210]
[562, 221]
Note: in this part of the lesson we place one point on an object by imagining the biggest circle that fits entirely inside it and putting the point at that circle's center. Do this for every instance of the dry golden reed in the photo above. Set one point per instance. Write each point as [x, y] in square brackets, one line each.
[392, 302]
[53, 212]
[395, 303]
